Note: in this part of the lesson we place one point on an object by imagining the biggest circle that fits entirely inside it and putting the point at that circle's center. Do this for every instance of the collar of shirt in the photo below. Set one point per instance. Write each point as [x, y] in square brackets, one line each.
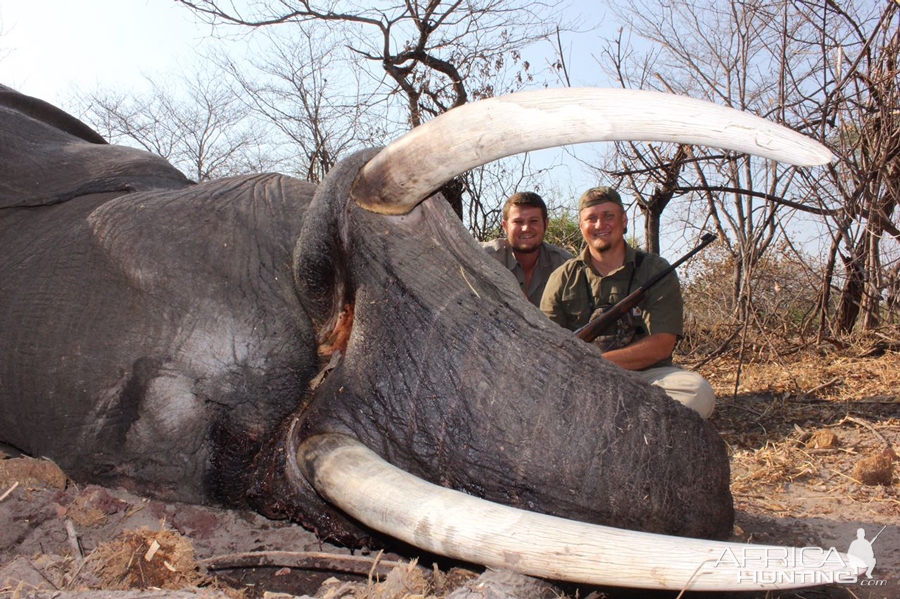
[630, 256]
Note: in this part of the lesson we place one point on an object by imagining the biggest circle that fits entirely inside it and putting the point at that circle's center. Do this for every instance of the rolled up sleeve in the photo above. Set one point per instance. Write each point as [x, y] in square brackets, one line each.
[664, 307]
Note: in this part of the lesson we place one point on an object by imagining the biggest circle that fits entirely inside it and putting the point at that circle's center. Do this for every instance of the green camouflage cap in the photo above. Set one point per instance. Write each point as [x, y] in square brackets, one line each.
[599, 195]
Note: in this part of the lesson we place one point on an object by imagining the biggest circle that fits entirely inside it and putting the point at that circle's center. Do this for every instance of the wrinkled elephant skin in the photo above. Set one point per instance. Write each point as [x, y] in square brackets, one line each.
[173, 338]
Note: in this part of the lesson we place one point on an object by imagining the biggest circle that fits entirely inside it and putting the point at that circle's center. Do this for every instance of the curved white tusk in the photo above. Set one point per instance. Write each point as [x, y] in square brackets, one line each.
[414, 166]
[460, 526]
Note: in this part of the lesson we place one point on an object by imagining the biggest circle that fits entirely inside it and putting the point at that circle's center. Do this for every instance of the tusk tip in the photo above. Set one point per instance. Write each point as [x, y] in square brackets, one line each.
[823, 157]
[811, 153]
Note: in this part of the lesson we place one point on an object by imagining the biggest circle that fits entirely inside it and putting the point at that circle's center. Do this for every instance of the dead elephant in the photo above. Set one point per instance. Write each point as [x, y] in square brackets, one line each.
[226, 342]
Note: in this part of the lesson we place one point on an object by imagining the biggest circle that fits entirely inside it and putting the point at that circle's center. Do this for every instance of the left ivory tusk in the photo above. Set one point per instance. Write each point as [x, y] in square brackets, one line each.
[460, 526]
[414, 166]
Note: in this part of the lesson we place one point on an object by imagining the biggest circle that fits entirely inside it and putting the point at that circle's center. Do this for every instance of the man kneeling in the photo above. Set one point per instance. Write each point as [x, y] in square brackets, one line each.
[607, 271]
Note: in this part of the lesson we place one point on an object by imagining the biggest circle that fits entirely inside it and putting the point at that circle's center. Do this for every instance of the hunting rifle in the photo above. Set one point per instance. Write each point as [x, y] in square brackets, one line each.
[598, 326]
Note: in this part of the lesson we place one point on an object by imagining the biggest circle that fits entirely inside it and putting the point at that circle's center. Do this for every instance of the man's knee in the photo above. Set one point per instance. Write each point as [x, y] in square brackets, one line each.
[702, 398]
[685, 387]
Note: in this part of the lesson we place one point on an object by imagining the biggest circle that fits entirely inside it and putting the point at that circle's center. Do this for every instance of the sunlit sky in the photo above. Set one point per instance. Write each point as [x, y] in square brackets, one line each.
[49, 46]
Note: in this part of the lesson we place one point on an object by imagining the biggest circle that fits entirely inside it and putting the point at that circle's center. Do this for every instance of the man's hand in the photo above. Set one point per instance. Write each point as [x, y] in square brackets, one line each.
[643, 353]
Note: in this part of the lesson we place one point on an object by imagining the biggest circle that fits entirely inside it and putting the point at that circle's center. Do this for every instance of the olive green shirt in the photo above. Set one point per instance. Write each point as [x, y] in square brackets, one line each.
[550, 258]
[565, 300]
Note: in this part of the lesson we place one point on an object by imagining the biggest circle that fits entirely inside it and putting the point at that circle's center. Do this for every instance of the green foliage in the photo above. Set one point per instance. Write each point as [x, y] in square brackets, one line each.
[634, 241]
[564, 232]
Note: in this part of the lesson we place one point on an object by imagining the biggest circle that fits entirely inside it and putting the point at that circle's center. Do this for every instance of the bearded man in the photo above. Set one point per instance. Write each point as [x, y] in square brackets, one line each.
[607, 271]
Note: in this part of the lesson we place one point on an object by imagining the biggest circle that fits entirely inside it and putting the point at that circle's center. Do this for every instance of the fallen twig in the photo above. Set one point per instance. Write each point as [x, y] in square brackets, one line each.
[850, 478]
[878, 400]
[717, 352]
[824, 385]
[9, 490]
[151, 552]
[871, 428]
[740, 407]
[880, 348]
[71, 584]
[310, 560]
[463, 273]
[687, 585]
[830, 450]
[77, 553]
[132, 511]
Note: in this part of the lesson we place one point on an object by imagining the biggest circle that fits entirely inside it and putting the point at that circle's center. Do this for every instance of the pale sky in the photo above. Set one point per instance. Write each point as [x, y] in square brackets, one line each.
[48, 46]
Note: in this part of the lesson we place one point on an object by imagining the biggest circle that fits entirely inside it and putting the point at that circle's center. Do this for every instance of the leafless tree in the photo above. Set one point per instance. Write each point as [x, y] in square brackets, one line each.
[740, 54]
[856, 110]
[825, 68]
[196, 122]
[428, 55]
[299, 86]
[499, 180]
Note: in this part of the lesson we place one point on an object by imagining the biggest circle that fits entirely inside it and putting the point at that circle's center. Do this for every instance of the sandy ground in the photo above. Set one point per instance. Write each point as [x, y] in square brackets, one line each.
[817, 503]
[812, 467]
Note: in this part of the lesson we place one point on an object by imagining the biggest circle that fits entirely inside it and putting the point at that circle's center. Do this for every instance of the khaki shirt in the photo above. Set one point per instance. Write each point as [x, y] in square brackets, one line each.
[550, 258]
[565, 300]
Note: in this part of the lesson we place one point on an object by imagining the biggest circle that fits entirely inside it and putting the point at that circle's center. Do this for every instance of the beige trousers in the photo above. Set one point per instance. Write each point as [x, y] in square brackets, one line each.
[683, 386]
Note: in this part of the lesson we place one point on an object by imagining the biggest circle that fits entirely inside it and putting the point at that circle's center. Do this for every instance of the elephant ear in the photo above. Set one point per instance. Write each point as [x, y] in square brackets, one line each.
[48, 156]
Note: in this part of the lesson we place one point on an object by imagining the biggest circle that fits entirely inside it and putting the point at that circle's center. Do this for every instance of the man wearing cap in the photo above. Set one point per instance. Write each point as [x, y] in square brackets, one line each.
[607, 271]
[524, 251]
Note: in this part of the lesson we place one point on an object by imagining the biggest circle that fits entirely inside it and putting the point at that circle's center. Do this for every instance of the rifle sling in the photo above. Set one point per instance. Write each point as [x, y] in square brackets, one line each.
[592, 304]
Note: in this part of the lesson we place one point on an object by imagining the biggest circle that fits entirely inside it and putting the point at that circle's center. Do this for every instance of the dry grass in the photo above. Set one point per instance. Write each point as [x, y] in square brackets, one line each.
[800, 429]
[29, 472]
[826, 375]
[141, 559]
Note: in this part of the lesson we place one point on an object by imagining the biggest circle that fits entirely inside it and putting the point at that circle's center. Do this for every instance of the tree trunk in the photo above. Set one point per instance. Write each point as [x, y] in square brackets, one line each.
[653, 208]
[872, 295]
[825, 295]
[452, 191]
[852, 293]
[652, 214]
[737, 283]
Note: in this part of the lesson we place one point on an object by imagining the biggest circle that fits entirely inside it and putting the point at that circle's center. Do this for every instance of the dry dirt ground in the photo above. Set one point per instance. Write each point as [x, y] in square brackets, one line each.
[811, 442]
[814, 440]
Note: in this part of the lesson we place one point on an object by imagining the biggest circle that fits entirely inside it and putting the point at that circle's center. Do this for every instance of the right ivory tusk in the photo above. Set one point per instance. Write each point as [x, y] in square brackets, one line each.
[460, 526]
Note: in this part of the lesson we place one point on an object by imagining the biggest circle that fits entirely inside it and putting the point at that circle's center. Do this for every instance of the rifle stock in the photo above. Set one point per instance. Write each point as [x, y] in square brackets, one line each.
[594, 328]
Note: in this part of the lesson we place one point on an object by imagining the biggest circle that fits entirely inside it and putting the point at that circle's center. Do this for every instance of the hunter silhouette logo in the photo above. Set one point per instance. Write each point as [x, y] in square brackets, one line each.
[861, 550]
